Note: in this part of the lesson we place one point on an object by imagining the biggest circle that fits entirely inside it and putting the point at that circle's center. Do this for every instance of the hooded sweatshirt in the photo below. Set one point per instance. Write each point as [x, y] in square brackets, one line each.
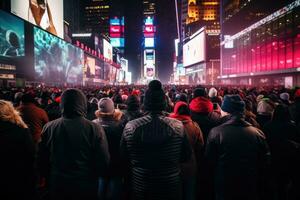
[73, 152]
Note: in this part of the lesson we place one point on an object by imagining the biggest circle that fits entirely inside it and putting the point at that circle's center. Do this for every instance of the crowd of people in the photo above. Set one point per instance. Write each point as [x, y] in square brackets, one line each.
[150, 142]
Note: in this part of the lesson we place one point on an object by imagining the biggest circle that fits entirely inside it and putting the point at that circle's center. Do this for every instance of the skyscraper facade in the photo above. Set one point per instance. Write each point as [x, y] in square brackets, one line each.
[97, 16]
[260, 42]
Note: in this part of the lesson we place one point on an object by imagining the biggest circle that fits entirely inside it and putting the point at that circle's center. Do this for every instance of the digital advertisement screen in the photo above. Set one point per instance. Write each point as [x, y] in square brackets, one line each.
[11, 36]
[107, 50]
[107, 71]
[194, 50]
[56, 61]
[117, 42]
[149, 42]
[150, 72]
[47, 14]
[99, 68]
[149, 21]
[89, 68]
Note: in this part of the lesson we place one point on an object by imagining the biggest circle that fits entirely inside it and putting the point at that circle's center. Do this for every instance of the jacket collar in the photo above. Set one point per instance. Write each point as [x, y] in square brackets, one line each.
[235, 120]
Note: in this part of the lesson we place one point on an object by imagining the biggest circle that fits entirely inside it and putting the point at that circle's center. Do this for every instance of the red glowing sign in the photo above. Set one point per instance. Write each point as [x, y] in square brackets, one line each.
[115, 29]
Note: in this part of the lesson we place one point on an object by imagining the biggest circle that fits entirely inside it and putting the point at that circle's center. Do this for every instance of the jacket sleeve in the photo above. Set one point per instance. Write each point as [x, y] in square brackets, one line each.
[123, 146]
[211, 150]
[29, 157]
[43, 155]
[199, 143]
[186, 149]
[102, 156]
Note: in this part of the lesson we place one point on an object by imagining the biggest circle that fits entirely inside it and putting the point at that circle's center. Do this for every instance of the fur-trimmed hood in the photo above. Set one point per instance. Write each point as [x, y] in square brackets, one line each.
[116, 115]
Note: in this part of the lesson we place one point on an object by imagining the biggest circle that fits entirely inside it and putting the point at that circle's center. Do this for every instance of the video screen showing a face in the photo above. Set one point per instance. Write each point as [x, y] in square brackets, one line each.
[11, 36]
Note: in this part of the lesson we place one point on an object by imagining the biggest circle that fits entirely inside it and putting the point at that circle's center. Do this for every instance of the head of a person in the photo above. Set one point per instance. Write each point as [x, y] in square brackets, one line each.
[181, 108]
[182, 97]
[13, 39]
[212, 92]
[200, 92]
[285, 97]
[133, 103]
[9, 114]
[233, 104]
[297, 94]
[281, 114]
[106, 106]
[73, 103]
[155, 98]
[27, 98]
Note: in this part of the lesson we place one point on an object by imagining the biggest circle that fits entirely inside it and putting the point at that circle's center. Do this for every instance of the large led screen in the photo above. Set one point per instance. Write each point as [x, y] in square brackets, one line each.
[56, 61]
[107, 50]
[89, 68]
[11, 35]
[194, 50]
[47, 14]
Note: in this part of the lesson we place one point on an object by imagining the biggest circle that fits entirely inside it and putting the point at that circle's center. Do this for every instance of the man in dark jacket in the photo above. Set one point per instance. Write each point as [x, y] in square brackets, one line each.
[113, 122]
[73, 152]
[153, 147]
[236, 152]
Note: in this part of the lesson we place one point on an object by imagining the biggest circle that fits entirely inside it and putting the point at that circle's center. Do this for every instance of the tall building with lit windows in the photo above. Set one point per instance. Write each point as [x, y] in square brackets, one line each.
[260, 42]
[149, 7]
[97, 16]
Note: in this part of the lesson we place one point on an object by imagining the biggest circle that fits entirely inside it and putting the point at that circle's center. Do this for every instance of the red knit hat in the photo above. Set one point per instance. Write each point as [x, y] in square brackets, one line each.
[297, 93]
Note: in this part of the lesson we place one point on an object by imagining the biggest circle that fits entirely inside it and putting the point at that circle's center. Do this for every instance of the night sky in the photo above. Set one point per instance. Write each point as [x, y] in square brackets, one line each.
[166, 33]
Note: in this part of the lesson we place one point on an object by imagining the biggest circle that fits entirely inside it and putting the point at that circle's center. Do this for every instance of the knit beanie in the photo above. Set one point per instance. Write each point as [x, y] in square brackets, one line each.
[106, 105]
[155, 99]
[212, 92]
[200, 92]
[285, 96]
[133, 103]
[233, 104]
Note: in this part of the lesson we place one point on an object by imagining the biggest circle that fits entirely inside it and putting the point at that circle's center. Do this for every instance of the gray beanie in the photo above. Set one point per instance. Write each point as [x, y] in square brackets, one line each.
[106, 105]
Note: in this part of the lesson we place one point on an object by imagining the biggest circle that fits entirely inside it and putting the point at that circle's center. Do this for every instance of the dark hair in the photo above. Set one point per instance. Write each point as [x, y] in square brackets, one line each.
[28, 98]
[184, 110]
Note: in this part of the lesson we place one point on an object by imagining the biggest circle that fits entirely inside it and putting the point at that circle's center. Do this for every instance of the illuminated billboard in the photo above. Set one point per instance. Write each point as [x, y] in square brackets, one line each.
[117, 42]
[116, 32]
[56, 61]
[149, 21]
[89, 69]
[194, 50]
[47, 14]
[11, 36]
[149, 42]
[149, 64]
[107, 50]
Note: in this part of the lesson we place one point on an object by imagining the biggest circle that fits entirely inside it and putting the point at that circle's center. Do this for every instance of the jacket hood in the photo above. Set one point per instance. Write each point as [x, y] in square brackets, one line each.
[73, 103]
[176, 114]
[201, 105]
[116, 115]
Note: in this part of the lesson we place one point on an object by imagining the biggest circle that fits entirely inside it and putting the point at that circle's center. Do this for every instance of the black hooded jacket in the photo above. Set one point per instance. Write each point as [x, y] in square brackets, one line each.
[73, 151]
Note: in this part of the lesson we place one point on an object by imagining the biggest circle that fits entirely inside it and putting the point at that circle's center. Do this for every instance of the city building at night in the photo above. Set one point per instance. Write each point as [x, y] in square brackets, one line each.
[148, 68]
[97, 16]
[266, 52]
[199, 14]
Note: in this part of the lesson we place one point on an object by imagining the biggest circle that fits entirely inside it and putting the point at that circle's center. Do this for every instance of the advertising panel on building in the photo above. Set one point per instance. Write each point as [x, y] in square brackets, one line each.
[89, 68]
[107, 50]
[116, 32]
[11, 36]
[44, 13]
[56, 61]
[149, 64]
[194, 50]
